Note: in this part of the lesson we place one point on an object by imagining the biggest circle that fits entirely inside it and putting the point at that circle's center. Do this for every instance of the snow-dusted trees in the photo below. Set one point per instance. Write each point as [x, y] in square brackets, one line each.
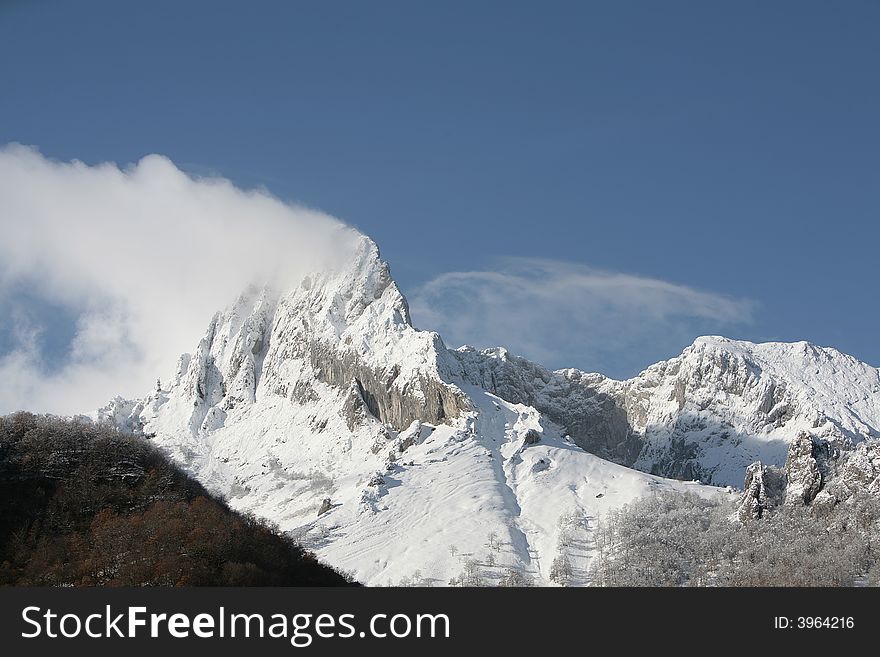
[515, 578]
[469, 576]
[654, 541]
[415, 580]
[675, 539]
[560, 570]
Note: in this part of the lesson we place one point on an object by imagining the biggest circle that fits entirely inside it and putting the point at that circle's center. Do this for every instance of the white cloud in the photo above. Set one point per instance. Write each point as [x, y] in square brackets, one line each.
[567, 315]
[142, 256]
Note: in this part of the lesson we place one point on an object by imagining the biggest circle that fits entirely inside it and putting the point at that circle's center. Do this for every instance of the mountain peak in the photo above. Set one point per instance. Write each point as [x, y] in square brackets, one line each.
[797, 349]
[324, 389]
[336, 328]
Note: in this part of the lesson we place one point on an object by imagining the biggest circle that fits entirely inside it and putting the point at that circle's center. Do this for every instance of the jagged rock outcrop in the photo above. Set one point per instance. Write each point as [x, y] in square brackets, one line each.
[816, 474]
[849, 472]
[802, 473]
[763, 489]
[753, 502]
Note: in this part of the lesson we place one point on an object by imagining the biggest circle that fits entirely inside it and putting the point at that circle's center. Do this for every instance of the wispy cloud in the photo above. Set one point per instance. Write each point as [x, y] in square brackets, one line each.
[568, 315]
[140, 258]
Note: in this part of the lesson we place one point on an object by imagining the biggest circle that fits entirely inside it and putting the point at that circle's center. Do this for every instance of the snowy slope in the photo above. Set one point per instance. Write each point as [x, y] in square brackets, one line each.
[438, 462]
[446, 497]
[424, 512]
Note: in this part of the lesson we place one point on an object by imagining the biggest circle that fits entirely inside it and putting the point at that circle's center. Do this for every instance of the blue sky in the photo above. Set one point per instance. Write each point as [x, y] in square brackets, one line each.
[729, 148]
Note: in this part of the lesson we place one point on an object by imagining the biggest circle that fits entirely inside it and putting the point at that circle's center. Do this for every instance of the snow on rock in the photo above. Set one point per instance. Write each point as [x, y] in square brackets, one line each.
[706, 414]
[321, 408]
[475, 490]
[816, 474]
[803, 474]
[763, 489]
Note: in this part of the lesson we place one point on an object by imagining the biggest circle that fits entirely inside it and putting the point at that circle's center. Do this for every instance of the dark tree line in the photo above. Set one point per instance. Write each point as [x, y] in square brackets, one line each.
[83, 505]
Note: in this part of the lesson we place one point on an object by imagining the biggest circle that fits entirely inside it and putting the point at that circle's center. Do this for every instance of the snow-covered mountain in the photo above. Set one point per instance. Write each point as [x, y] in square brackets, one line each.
[706, 414]
[323, 409]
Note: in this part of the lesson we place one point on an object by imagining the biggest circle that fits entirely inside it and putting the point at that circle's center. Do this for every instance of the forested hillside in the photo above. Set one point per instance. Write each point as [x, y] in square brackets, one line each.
[83, 505]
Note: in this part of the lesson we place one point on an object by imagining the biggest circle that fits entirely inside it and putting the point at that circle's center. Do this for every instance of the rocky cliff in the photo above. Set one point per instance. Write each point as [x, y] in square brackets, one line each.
[816, 474]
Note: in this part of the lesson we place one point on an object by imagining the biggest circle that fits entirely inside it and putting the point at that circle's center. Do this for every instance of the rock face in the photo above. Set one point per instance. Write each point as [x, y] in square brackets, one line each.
[815, 474]
[849, 472]
[802, 473]
[575, 400]
[350, 330]
[763, 489]
[753, 502]
[706, 414]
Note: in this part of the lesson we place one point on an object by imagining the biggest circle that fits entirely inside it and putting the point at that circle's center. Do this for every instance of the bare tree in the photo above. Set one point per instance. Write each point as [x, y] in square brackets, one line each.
[471, 575]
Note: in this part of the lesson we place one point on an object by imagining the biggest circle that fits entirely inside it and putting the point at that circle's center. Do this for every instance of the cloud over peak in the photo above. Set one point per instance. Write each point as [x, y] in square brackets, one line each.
[107, 274]
[140, 257]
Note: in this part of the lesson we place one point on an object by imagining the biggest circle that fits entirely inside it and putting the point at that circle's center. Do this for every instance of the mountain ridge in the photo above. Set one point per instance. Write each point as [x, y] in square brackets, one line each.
[324, 397]
[719, 387]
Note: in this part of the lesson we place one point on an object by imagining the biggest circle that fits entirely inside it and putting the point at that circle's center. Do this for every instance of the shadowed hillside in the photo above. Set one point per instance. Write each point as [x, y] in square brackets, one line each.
[83, 505]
